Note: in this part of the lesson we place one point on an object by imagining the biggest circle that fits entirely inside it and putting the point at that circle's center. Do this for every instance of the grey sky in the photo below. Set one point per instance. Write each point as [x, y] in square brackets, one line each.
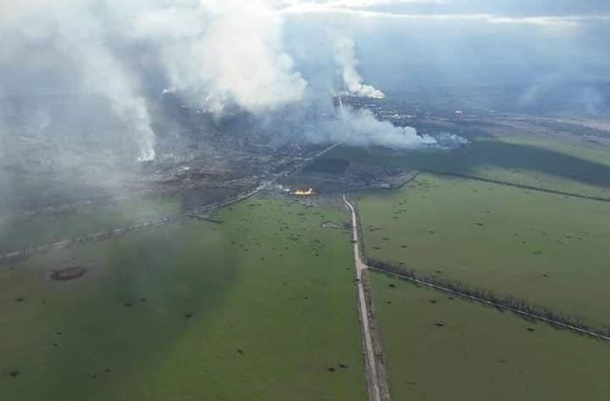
[506, 8]
[403, 43]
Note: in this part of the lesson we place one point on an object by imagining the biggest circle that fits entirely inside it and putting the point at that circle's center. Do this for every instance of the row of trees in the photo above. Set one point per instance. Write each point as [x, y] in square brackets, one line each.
[488, 297]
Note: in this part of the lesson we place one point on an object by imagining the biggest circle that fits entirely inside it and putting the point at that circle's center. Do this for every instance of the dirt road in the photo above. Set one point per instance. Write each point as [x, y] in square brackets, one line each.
[372, 374]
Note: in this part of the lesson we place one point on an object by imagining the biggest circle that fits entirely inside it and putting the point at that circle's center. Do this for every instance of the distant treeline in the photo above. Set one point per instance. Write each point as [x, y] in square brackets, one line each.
[25, 252]
[487, 297]
[522, 186]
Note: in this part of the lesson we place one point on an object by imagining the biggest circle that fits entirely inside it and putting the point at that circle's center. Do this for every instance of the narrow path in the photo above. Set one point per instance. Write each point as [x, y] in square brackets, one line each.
[372, 373]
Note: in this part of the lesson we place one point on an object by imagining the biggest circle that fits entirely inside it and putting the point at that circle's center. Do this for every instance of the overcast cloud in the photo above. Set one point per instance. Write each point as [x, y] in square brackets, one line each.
[502, 8]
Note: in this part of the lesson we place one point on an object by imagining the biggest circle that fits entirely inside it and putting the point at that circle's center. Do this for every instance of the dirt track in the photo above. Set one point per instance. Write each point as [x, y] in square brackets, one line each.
[375, 369]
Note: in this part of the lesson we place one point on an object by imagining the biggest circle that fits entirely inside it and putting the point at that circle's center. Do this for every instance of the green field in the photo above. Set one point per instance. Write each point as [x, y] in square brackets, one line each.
[480, 354]
[549, 163]
[548, 249]
[15, 235]
[259, 308]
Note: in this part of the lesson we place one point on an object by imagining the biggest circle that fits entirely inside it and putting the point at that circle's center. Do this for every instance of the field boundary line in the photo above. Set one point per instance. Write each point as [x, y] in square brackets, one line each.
[28, 251]
[425, 281]
[515, 185]
[467, 293]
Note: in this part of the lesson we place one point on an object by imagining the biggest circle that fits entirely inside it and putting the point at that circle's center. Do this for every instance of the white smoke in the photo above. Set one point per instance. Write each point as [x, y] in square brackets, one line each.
[365, 130]
[222, 52]
[447, 140]
[361, 128]
[212, 54]
[345, 56]
[216, 53]
[69, 35]
[103, 74]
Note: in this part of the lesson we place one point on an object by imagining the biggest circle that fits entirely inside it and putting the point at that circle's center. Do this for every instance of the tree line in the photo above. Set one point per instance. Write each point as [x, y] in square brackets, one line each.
[501, 302]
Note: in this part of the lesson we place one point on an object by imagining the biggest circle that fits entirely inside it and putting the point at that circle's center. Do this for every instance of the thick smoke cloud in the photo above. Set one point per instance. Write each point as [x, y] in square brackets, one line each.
[361, 128]
[216, 55]
[221, 53]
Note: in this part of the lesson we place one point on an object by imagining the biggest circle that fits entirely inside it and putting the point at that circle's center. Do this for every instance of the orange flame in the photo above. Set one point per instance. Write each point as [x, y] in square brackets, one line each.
[302, 192]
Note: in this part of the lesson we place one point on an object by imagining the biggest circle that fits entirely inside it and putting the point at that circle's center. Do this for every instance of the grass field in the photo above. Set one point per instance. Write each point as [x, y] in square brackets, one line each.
[259, 308]
[15, 235]
[549, 163]
[548, 249]
[440, 349]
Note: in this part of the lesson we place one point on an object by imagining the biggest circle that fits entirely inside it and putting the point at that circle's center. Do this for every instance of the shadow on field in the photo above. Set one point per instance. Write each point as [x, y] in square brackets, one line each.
[487, 153]
[151, 288]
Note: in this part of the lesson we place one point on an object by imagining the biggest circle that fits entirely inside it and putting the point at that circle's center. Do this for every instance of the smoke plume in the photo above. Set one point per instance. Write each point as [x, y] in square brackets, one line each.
[64, 46]
[346, 58]
[218, 56]
[360, 128]
[222, 53]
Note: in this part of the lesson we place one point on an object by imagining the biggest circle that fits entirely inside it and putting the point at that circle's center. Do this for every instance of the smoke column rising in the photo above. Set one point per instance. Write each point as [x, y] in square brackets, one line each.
[71, 40]
[221, 53]
[215, 55]
[346, 58]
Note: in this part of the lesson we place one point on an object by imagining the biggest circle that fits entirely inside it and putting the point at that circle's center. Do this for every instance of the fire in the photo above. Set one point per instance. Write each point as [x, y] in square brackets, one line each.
[302, 192]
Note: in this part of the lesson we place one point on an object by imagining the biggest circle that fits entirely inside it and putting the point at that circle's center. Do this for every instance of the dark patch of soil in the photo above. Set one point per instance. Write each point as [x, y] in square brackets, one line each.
[67, 274]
